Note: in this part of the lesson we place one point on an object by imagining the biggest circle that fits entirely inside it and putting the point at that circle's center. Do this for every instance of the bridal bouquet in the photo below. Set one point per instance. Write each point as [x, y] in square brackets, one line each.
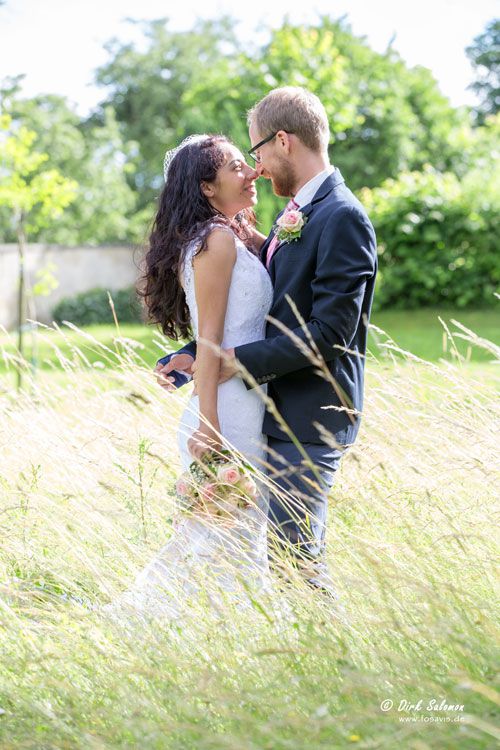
[216, 485]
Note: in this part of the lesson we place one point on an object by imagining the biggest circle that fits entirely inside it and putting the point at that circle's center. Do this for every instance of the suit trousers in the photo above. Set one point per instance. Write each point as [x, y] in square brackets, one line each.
[298, 507]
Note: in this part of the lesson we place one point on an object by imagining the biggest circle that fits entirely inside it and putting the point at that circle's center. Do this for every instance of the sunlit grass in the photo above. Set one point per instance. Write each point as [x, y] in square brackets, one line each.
[419, 331]
[410, 542]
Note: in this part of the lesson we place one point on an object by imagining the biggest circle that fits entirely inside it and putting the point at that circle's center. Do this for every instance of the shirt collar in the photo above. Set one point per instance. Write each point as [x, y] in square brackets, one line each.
[309, 190]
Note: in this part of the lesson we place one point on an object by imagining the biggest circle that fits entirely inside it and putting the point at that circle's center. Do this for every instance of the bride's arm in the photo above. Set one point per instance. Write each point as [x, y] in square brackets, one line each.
[213, 268]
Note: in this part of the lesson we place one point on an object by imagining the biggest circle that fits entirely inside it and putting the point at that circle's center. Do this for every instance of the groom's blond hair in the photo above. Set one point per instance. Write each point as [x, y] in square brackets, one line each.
[295, 110]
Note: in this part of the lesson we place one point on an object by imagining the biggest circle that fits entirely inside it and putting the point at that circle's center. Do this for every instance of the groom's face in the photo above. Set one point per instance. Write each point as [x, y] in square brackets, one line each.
[273, 165]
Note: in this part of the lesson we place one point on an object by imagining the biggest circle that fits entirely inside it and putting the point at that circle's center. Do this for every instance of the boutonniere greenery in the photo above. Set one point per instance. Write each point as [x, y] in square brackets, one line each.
[289, 225]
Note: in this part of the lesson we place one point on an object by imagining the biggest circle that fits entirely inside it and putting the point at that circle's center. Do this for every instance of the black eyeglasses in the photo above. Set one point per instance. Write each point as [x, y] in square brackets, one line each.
[256, 157]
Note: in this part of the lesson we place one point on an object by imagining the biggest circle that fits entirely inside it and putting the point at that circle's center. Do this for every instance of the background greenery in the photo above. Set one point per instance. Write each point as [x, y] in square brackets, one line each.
[419, 332]
[93, 307]
[427, 171]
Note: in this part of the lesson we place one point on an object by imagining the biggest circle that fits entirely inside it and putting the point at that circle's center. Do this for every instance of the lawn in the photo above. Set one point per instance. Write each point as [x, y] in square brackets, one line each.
[418, 331]
[86, 499]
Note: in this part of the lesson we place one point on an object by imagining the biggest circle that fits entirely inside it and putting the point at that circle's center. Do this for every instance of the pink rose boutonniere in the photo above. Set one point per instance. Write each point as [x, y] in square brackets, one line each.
[289, 225]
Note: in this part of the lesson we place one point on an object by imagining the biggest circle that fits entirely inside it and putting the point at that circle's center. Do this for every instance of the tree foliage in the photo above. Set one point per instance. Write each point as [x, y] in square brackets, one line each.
[484, 54]
[147, 89]
[94, 155]
[437, 239]
[32, 195]
[93, 307]
[30, 190]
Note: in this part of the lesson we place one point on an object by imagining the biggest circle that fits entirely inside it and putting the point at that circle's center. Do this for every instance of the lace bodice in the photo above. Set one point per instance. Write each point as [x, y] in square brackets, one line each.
[249, 301]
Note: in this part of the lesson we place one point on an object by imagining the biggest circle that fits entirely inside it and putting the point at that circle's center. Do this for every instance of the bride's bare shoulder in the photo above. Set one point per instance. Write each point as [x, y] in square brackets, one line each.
[221, 240]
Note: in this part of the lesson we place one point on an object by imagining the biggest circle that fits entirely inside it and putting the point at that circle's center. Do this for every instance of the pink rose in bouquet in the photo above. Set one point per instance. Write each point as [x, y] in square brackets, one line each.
[207, 491]
[249, 487]
[229, 474]
[182, 487]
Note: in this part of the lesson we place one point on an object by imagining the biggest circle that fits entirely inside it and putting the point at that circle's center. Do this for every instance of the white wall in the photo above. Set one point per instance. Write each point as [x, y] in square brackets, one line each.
[77, 269]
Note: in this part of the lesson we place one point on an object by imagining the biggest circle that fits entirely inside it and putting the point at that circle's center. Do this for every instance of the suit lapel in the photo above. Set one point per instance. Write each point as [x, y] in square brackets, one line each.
[332, 181]
[326, 187]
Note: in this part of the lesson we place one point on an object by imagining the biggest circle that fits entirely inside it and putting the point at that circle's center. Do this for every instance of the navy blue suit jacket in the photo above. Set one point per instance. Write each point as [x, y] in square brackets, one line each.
[329, 274]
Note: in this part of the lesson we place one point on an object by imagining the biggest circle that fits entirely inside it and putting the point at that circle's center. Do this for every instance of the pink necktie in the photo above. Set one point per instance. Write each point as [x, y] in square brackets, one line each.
[274, 242]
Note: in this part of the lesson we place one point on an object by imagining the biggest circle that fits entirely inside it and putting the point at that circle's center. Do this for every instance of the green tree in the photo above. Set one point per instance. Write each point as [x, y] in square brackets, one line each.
[34, 196]
[94, 155]
[147, 90]
[401, 119]
[484, 54]
[479, 148]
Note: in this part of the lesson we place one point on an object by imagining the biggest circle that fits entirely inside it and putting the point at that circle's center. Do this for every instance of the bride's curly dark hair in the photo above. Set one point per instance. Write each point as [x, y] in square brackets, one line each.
[183, 214]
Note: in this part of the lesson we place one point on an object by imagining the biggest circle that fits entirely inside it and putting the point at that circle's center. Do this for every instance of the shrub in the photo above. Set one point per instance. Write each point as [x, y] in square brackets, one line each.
[437, 238]
[92, 307]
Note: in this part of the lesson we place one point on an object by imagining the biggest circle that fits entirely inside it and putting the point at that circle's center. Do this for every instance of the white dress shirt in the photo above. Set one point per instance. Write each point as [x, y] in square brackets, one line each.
[309, 190]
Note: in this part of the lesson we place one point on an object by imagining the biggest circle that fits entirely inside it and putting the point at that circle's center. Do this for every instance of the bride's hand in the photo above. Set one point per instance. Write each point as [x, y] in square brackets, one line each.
[203, 440]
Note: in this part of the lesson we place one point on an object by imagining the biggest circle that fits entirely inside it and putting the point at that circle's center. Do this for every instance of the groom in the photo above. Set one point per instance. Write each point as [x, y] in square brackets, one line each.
[328, 274]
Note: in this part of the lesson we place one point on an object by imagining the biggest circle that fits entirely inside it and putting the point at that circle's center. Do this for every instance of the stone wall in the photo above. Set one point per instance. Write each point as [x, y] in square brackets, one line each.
[77, 269]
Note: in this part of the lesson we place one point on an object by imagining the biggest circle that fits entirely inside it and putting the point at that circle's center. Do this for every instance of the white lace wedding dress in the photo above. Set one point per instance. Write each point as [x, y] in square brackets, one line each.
[206, 556]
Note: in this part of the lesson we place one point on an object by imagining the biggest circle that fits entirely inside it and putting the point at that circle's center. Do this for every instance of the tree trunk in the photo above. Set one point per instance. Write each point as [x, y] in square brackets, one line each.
[21, 244]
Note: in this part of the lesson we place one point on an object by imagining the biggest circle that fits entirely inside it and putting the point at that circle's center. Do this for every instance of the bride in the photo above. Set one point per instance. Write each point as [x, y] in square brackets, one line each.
[203, 276]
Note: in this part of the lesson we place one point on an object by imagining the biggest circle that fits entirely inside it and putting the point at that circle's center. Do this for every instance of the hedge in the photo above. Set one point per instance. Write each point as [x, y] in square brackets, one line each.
[437, 240]
[92, 307]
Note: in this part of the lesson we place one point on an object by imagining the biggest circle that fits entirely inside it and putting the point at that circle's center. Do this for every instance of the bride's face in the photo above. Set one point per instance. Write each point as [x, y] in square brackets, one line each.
[234, 187]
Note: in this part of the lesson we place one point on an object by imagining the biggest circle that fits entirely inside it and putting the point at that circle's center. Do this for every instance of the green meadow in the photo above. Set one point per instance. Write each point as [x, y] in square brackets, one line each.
[89, 458]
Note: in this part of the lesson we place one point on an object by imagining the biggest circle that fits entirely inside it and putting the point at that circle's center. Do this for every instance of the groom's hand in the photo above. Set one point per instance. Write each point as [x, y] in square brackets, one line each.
[180, 362]
[228, 367]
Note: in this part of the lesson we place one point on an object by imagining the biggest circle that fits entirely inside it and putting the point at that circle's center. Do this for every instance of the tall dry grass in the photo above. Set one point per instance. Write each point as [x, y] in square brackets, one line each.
[89, 457]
